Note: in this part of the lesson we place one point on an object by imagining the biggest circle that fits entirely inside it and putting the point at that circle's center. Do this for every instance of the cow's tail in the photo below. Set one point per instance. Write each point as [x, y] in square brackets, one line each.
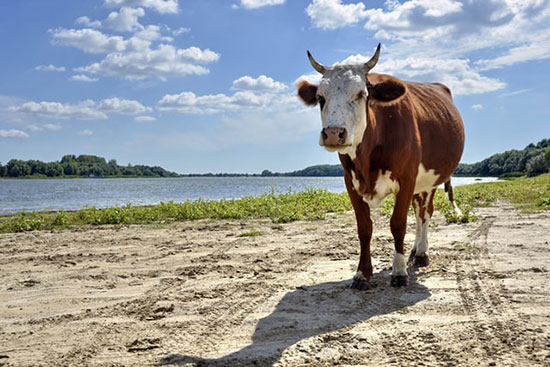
[449, 191]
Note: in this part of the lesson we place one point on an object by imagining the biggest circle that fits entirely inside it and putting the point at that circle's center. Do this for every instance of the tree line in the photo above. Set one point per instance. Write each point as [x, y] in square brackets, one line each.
[531, 161]
[81, 166]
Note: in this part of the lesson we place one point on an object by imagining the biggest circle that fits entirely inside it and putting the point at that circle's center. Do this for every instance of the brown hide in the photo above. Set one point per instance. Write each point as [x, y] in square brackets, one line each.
[408, 123]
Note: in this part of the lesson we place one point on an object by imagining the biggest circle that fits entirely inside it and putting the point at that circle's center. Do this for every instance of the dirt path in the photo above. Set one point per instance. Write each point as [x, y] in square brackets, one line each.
[197, 293]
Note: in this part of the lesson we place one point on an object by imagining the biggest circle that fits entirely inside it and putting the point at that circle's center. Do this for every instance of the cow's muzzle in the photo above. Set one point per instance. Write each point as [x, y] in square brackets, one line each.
[334, 136]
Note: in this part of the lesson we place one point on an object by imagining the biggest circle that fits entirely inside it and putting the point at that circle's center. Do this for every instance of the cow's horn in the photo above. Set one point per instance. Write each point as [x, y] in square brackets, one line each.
[320, 68]
[372, 62]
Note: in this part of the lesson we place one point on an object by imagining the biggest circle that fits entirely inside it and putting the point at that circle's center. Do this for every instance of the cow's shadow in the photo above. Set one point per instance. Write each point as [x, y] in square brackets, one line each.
[309, 311]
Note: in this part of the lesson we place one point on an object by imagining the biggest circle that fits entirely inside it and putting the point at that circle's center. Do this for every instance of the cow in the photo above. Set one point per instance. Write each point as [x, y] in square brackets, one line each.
[392, 137]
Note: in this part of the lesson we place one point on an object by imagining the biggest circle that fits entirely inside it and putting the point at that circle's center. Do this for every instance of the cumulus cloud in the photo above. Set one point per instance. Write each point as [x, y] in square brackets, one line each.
[262, 93]
[261, 83]
[254, 4]
[134, 58]
[50, 68]
[49, 127]
[13, 133]
[477, 107]
[332, 14]
[86, 22]
[85, 132]
[125, 20]
[161, 6]
[122, 106]
[145, 119]
[82, 78]
[85, 110]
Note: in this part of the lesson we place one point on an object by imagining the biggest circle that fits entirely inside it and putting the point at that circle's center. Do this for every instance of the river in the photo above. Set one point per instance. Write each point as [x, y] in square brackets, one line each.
[73, 194]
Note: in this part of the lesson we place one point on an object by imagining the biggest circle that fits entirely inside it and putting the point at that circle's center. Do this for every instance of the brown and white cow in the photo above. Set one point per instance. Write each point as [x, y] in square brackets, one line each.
[393, 137]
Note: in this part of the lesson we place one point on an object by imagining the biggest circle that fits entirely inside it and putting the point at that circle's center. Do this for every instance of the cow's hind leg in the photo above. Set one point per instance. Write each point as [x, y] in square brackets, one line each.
[449, 191]
[423, 210]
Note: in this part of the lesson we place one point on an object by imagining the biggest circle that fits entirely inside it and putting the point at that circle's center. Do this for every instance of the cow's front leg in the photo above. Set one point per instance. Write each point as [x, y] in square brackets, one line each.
[361, 279]
[398, 225]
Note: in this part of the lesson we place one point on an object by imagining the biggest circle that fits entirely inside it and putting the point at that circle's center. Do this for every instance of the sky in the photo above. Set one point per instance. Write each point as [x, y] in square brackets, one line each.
[199, 86]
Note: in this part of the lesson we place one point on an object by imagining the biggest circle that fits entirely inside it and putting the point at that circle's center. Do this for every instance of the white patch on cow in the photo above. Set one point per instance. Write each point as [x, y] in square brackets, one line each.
[399, 266]
[418, 224]
[359, 276]
[384, 186]
[425, 180]
[355, 181]
[341, 86]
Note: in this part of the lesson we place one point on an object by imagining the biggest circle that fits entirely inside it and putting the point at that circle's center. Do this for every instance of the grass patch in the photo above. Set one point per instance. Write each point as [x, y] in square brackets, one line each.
[311, 204]
[250, 234]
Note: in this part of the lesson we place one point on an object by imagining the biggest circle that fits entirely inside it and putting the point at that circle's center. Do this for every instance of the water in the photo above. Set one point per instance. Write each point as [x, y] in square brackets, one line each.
[74, 194]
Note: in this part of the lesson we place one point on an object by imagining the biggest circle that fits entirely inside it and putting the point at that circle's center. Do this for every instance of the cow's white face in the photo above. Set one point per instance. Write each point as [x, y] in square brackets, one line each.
[342, 95]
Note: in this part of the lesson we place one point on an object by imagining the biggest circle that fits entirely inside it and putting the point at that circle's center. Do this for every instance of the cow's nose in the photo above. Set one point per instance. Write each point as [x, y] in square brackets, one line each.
[334, 135]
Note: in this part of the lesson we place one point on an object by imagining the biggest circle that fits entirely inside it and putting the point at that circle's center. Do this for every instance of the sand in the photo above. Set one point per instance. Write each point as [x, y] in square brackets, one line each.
[199, 294]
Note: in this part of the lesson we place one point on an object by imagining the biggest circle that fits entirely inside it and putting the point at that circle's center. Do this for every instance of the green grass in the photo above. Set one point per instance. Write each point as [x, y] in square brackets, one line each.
[250, 234]
[313, 204]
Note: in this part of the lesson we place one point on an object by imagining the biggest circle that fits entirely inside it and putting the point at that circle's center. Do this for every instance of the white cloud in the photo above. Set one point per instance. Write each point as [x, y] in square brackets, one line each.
[254, 4]
[122, 106]
[332, 14]
[515, 92]
[125, 20]
[134, 58]
[260, 94]
[163, 62]
[261, 83]
[477, 107]
[537, 50]
[85, 110]
[13, 133]
[50, 68]
[49, 127]
[85, 132]
[82, 78]
[145, 119]
[181, 30]
[86, 22]
[161, 6]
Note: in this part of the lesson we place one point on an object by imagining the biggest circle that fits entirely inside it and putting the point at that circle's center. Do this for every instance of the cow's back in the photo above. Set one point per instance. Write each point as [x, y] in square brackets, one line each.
[440, 127]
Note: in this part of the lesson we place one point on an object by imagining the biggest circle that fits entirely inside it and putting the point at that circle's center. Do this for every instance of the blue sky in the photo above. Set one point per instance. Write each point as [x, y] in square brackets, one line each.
[208, 86]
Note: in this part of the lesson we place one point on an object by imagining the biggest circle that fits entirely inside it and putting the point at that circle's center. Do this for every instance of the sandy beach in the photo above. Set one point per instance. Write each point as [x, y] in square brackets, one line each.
[255, 293]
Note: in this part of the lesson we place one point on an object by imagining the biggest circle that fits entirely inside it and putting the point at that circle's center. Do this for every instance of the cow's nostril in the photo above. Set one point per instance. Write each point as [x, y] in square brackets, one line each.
[342, 135]
[324, 134]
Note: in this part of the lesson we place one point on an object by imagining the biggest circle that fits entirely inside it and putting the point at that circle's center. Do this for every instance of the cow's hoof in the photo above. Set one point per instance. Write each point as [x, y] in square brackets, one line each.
[360, 284]
[421, 261]
[412, 255]
[399, 280]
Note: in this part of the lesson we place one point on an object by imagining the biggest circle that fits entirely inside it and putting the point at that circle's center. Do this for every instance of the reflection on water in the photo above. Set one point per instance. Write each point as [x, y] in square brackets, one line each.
[73, 194]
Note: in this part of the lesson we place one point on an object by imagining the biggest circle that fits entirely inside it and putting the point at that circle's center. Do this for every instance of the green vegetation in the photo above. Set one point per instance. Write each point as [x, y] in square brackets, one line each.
[312, 204]
[531, 161]
[280, 208]
[250, 234]
[312, 171]
[81, 166]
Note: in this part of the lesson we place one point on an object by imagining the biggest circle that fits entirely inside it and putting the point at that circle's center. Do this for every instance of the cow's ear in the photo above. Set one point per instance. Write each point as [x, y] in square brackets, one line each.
[388, 90]
[307, 92]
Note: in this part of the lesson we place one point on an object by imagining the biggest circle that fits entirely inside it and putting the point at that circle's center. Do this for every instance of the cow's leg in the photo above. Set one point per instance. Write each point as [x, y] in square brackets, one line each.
[449, 191]
[364, 229]
[423, 208]
[398, 225]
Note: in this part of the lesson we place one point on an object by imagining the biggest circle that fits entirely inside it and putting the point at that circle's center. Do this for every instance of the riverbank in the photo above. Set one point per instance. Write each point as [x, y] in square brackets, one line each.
[252, 292]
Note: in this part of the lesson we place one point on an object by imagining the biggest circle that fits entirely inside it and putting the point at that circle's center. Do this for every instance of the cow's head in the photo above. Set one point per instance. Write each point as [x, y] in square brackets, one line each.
[342, 95]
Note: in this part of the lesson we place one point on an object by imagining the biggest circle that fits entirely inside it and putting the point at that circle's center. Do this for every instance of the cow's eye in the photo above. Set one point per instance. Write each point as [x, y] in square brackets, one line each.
[361, 95]
[321, 100]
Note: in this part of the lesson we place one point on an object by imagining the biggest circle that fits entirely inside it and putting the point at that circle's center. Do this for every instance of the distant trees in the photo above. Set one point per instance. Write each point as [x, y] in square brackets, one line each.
[83, 165]
[533, 160]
